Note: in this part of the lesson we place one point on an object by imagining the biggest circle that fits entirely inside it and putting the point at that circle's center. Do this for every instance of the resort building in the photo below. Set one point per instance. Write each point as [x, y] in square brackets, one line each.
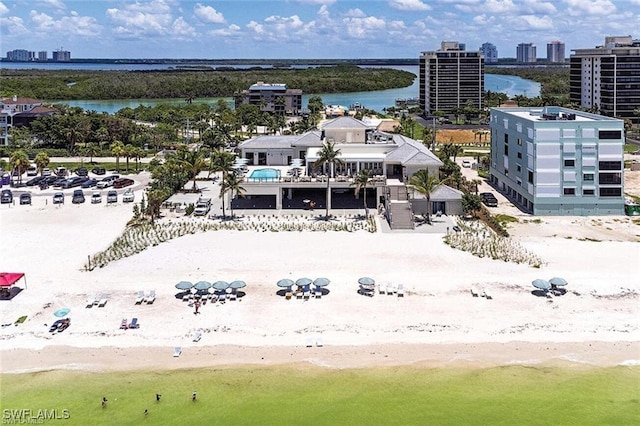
[281, 171]
[558, 161]
[61, 56]
[555, 51]
[18, 111]
[606, 79]
[20, 55]
[273, 98]
[526, 53]
[490, 53]
[450, 77]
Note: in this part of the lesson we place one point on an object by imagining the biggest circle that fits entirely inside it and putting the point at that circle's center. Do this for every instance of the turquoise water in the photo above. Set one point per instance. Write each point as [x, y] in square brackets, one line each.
[377, 101]
[264, 174]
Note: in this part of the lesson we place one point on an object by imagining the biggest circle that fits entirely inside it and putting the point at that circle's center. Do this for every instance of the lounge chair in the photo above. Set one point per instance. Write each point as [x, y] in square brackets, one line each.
[309, 342]
[140, 298]
[299, 294]
[123, 324]
[288, 295]
[381, 289]
[400, 290]
[185, 297]
[177, 351]
[319, 342]
[222, 297]
[474, 292]
[151, 297]
[231, 294]
[134, 323]
[197, 336]
[91, 301]
[390, 289]
[318, 292]
[486, 294]
[103, 300]
[306, 293]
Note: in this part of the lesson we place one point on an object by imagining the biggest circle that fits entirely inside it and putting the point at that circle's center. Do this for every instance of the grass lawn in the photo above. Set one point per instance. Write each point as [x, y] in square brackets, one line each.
[307, 395]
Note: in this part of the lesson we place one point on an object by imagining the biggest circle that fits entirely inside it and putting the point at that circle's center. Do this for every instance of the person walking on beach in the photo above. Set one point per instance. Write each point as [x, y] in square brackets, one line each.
[196, 306]
[104, 402]
[146, 412]
[193, 396]
[158, 396]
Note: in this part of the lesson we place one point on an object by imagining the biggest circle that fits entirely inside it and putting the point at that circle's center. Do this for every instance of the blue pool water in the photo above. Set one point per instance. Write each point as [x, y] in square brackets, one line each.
[264, 174]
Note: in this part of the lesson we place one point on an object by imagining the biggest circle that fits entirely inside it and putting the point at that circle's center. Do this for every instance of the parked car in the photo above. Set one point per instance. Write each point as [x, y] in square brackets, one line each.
[128, 196]
[96, 198]
[112, 197]
[46, 171]
[122, 182]
[78, 197]
[202, 207]
[58, 198]
[25, 198]
[98, 171]
[6, 197]
[89, 183]
[490, 201]
[107, 181]
[75, 181]
[60, 182]
[35, 181]
[82, 171]
[62, 172]
[466, 164]
[32, 171]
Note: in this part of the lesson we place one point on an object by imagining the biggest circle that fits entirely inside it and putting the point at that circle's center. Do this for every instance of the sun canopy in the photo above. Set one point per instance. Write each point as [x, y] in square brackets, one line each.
[558, 281]
[303, 281]
[237, 284]
[285, 282]
[541, 284]
[220, 285]
[321, 282]
[366, 281]
[202, 285]
[184, 285]
[7, 279]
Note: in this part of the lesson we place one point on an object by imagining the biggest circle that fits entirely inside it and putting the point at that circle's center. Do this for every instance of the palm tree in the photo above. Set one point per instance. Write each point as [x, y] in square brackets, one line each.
[42, 161]
[20, 163]
[361, 181]
[231, 183]
[117, 150]
[476, 182]
[193, 163]
[91, 149]
[138, 153]
[129, 151]
[222, 161]
[328, 155]
[425, 185]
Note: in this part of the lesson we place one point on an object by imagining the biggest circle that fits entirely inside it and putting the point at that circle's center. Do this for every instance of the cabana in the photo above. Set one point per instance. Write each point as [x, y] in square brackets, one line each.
[8, 280]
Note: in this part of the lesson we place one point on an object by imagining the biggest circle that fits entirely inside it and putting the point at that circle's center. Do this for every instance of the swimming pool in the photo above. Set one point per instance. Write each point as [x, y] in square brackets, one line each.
[264, 175]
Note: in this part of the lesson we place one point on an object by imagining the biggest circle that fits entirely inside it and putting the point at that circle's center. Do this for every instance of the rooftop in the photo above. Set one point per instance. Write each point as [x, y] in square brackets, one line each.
[553, 113]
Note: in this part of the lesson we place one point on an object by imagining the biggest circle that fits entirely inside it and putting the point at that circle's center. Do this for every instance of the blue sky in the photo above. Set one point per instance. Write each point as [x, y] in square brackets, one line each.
[305, 28]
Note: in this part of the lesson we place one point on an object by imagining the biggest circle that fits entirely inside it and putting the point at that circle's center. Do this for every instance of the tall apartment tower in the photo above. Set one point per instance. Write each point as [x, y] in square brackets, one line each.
[526, 53]
[606, 79]
[555, 51]
[490, 53]
[450, 77]
[61, 56]
[42, 56]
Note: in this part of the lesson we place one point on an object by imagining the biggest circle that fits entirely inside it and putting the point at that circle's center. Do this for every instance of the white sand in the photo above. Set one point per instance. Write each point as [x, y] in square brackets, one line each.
[51, 245]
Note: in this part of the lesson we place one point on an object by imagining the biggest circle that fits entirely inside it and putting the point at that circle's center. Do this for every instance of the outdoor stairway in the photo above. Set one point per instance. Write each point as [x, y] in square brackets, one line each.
[398, 206]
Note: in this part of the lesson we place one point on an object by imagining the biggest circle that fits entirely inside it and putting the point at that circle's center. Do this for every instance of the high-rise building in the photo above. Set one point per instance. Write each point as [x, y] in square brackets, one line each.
[42, 56]
[450, 77]
[526, 53]
[61, 56]
[490, 53]
[555, 51]
[20, 55]
[558, 161]
[606, 78]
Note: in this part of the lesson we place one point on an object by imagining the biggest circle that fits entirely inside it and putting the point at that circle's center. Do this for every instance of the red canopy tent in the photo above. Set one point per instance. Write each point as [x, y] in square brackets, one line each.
[7, 279]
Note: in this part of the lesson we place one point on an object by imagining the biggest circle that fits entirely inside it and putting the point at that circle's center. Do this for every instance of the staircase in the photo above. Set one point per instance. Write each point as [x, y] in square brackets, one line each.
[398, 207]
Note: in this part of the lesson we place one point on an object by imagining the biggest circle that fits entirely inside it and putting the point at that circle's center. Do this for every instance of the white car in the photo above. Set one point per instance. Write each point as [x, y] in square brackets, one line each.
[128, 196]
[96, 198]
[466, 164]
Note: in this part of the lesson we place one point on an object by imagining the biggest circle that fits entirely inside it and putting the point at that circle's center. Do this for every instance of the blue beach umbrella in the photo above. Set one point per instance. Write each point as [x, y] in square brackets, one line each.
[321, 282]
[366, 281]
[184, 285]
[285, 283]
[202, 285]
[303, 281]
[237, 284]
[61, 312]
[557, 281]
[220, 285]
[541, 284]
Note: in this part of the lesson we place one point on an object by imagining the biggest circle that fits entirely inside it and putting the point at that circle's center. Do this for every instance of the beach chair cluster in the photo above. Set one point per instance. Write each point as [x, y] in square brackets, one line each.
[312, 341]
[100, 300]
[483, 293]
[124, 325]
[217, 296]
[390, 289]
[146, 298]
[304, 293]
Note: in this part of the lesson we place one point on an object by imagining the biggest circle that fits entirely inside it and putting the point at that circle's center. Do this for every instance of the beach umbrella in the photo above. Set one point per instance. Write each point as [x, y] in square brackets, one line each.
[285, 283]
[557, 281]
[237, 284]
[321, 282]
[366, 281]
[541, 284]
[220, 285]
[303, 281]
[202, 285]
[184, 285]
[61, 312]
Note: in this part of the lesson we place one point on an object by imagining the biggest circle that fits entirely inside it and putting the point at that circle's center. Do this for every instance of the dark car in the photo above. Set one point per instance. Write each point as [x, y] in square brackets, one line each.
[6, 197]
[89, 183]
[59, 182]
[490, 202]
[25, 198]
[35, 181]
[58, 198]
[122, 182]
[82, 171]
[98, 170]
[75, 181]
[78, 197]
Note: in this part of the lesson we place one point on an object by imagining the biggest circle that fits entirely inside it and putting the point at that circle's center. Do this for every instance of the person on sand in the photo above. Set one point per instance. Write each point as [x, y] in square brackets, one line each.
[104, 401]
[146, 412]
[196, 305]
[158, 396]
[193, 396]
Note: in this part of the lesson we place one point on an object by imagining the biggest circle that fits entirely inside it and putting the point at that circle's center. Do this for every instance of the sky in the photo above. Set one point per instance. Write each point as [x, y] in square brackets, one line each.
[287, 29]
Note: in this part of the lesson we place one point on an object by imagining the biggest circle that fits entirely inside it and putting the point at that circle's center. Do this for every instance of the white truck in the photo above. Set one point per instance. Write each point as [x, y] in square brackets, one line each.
[202, 207]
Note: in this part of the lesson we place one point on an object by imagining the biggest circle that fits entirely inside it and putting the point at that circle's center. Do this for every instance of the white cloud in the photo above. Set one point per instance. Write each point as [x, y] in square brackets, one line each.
[182, 29]
[636, 2]
[56, 4]
[483, 19]
[409, 5]
[355, 13]
[138, 19]
[73, 24]
[3, 9]
[500, 6]
[208, 14]
[593, 7]
[536, 6]
[364, 27]
[12, 25]
[534, 22]
[322, 2]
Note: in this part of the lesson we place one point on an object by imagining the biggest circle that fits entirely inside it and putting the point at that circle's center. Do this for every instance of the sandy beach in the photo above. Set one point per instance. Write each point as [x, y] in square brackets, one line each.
[438, 322]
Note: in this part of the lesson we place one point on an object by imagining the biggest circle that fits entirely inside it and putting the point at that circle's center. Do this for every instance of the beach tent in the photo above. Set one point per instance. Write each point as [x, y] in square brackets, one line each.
[8, 279]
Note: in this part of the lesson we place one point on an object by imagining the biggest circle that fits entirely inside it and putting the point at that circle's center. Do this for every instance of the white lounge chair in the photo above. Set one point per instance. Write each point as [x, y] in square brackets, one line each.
[486, 294]
[319, 342]
[380, 288]
[474, 292]
[318, 292]
[309, 343]
[140, 298]
[400, 290]
[233, 295]
[185, 297]
[151, 297]
[299, 294]
[197, 336]
[103, 300]
[306, 294]
[91, 301]
[177, 351]
[390, 289]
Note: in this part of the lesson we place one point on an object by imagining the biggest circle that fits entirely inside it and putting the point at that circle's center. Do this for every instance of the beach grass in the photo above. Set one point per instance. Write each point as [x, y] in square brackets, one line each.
[312, 395]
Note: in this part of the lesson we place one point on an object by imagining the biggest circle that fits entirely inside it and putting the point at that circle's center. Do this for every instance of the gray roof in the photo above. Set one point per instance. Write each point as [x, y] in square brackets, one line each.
[411, 153]
[445, 193]
[345, 123]
[311, 138]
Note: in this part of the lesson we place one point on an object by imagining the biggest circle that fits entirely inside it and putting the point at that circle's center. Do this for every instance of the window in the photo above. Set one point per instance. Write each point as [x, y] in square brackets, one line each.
[610, 192]
[569, 191]
[589, 192]
[506, 138]
[520, 156]
[587, 177]
[519, 142]
[610, 165]
[610, 178]
[530, 177]
[610, 134]
[506, 150]
[569, 163]
[518, 168]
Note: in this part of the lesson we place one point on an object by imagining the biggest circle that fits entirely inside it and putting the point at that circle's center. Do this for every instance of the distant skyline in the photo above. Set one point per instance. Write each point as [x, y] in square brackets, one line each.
[287, 29]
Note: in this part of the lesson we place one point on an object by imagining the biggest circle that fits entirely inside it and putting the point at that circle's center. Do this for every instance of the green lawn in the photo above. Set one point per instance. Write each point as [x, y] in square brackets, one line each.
[307, 395]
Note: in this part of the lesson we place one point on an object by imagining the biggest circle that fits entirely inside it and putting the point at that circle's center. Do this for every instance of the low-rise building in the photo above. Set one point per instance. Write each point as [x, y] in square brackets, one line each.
[17, 111]
[273, 98]
[558, 161]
